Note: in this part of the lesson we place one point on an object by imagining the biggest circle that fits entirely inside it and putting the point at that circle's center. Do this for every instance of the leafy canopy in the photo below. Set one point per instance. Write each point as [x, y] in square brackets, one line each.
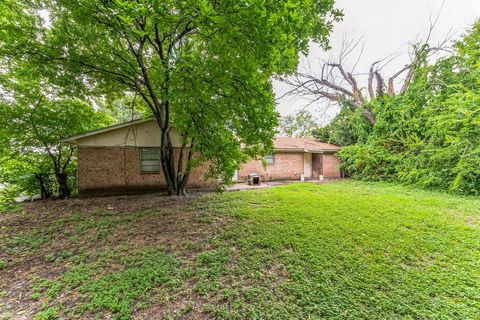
[35, 114]
[301, 124]
[347, 128]
[204, 66]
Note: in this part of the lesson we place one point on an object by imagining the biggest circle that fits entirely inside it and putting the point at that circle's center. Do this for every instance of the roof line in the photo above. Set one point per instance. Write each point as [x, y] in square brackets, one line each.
[295, 149]
[72, 139]
[105, 129]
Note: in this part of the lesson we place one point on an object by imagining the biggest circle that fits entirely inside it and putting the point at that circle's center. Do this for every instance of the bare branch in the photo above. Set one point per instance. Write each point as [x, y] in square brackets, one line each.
[333, 83]
[380, 84]
[371, 75]
[391, 88]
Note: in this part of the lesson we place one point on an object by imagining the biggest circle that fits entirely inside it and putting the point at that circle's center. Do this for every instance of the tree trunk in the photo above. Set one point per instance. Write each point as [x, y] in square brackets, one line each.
[63, 189]
[167, 159]
[176, 179]
[370, 116]
[183, 175]
[45, 191]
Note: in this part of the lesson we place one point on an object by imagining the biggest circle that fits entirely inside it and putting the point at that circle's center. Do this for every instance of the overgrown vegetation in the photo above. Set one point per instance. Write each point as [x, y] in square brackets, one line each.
[350, 250]
[427, 136]
[347, 128]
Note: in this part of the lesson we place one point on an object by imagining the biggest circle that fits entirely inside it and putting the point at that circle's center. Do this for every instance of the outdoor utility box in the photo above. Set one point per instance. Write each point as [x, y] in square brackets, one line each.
[253, 179]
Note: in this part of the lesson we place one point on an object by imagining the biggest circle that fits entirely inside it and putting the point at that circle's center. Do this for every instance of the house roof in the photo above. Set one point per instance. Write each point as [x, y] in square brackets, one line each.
[73, 139]
[287, 144]
[303, 144]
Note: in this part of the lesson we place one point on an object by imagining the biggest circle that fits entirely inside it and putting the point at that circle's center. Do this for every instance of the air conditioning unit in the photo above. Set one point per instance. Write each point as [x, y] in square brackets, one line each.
[253, 179]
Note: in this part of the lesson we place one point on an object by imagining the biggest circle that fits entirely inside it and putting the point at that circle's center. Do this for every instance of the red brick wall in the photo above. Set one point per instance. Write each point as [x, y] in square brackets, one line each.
[116, 170]
[287, 166]
[331, 166]
[110, 170]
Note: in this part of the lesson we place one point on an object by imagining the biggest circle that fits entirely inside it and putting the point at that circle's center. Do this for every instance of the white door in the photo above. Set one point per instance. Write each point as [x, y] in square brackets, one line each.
[235, 176]
[307, 165]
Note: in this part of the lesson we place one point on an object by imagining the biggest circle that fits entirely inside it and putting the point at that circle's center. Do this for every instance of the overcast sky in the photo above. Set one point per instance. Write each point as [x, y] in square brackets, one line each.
[385, 27]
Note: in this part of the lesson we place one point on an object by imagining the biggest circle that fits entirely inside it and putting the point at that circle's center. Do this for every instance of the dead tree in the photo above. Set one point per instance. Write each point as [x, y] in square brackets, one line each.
[335, 82]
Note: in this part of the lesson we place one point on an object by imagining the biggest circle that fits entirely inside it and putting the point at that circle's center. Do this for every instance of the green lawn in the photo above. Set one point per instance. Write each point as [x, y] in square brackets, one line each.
[344, 250]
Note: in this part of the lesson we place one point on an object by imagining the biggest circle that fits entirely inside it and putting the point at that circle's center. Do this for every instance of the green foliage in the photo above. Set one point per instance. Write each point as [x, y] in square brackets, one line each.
[18, 175]
[28, 242]
[117, 291]
[35, 116]
[368, 162]
[204, 67]
[127, 108]
[7, 199]
[48, 314]
[110, 290]
[429, 135]
[38, 107]
[302, 124]
[382, 247]
[347, 128]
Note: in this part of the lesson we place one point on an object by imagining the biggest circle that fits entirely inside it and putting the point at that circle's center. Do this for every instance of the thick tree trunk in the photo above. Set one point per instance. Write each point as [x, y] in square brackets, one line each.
[183, 175]
[167, 159]
[63, 189]
[176, 178]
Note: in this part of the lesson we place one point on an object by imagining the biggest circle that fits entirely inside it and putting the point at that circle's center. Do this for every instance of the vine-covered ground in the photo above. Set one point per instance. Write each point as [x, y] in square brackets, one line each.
[343, 250]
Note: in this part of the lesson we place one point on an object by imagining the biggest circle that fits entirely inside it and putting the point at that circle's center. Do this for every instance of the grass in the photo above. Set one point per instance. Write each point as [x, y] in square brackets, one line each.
[344, 250]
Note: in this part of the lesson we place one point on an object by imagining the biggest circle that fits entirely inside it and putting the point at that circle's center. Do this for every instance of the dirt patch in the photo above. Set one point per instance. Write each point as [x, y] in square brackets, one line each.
[48, 237]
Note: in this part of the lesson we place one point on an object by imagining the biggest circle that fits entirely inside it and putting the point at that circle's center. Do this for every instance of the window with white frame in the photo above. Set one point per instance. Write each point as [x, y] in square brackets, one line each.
[150, 159]
[269, 158]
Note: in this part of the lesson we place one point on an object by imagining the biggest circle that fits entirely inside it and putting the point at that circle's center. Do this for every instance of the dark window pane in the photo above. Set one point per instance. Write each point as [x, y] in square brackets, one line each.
[149, 159]
[269, 158]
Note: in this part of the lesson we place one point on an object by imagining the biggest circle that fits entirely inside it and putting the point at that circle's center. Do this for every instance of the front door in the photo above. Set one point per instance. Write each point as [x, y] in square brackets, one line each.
[317, 165]
[307, 165]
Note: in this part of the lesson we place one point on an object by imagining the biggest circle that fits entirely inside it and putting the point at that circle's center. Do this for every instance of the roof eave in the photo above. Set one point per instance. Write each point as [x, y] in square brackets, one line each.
[322, 150]
[306, 150]
[289, 150]
[73, 139]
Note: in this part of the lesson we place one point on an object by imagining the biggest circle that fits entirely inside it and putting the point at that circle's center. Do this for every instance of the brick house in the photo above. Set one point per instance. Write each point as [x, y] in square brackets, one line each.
[294, 157]
[125, 158]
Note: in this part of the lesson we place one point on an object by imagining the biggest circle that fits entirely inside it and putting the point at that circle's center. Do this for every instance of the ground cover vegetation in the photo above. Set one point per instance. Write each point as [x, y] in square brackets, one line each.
[343, 250]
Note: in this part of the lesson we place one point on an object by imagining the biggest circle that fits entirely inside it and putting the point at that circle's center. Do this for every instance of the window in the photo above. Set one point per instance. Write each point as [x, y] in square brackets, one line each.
[149, 159]
[269, 158]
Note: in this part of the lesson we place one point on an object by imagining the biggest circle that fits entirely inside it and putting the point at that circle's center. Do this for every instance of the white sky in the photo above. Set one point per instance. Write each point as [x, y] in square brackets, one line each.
[386, 27]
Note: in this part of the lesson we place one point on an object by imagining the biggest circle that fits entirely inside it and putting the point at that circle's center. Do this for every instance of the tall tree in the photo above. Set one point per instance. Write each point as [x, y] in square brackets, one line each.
[347, 128]
[203, 66]
[30, 134]
[428, 135]
[35, 115]
[301, 124]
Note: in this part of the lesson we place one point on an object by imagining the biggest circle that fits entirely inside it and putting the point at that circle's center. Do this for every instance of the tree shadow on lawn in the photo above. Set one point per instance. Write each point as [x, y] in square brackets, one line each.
[344, 250]
[83, 257]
